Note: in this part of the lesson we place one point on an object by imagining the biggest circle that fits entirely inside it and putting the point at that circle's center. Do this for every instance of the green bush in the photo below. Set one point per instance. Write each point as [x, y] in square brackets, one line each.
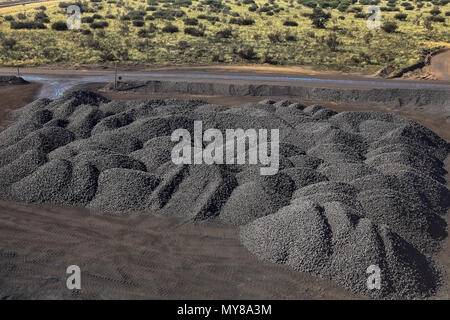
[138, 23]
[9, 43]
[42, 17]
[389, 26]
[319, 18]
[290, 23]
[59, 26]
[191, 21]
[247, 53]
[242, 22]
[27, 25]
[209, 18]
[168, 14]
[194, 32]
[437, 18]
[401, 16]
[170, 28]
[87, 19]
[435, 11]
[291, 38]
[99, 25]
[224, 34]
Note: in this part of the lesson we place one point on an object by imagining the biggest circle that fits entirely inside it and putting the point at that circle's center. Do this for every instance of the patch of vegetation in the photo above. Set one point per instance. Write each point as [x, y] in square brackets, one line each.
[389, 26]
[59, 26]
[194, 32]
[328, 34]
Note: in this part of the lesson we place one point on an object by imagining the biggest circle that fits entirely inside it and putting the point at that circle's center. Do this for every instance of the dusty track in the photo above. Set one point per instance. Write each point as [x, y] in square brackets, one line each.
[440, 66]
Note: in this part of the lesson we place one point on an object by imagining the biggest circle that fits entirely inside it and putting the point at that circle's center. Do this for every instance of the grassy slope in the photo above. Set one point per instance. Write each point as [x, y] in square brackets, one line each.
[360, 49]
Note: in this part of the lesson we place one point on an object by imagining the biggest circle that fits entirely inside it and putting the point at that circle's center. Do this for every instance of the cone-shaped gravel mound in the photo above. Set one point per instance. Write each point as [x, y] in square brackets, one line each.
[353, 190]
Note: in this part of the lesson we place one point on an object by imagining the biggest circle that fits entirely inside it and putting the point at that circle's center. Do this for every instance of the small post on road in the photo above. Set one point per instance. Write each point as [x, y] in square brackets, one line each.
[115, 76]
[18, 71]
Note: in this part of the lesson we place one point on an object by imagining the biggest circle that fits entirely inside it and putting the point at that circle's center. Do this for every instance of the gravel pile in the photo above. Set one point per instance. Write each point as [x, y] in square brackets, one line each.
[354, 189]
[8, 80]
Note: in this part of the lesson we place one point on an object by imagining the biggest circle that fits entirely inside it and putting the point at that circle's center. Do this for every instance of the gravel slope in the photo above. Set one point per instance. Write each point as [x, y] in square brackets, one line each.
[354, 188]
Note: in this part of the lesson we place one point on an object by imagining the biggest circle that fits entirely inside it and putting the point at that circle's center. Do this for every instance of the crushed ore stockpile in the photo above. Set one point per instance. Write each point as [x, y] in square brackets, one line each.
[8, 80]
[354, 189]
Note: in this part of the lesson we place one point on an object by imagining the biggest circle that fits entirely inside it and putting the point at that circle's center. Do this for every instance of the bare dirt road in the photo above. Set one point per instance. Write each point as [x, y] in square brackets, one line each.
[440, 66]
[56, 81]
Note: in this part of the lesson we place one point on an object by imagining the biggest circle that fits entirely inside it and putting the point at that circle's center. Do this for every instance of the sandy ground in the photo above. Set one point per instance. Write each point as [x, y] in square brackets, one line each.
[144, 256]
[13, 97]
[440, 66]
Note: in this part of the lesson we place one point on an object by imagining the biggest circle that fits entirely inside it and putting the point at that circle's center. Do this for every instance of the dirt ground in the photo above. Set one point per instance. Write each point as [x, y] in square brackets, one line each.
[440, 66]
[13, 97]
[145, 256]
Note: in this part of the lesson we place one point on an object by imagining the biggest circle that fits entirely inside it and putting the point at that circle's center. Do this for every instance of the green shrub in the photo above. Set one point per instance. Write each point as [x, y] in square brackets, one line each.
[27, 25]
[290, 23]
[435, 11]
[242, 21]
[168, 14]
[332, 41]
[170, 28]
[87, 19]
[437, 18]
[319, 18]
[42, 17]
[99, 25]
[194, 32]
[291, 38]
[138, 23]
[224, 34]
[209, 18]
[401, 16]
[247, 53]
[59, 26]
[9, 43]
[191, 21]
[389, 26]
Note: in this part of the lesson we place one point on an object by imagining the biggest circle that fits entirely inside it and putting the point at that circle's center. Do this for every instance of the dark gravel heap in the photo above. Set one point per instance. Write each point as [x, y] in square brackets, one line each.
[8, 80]
[354, 189]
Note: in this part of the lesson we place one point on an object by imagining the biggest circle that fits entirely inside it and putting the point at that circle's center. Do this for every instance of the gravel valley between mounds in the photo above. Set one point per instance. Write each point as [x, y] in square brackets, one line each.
[354, 189]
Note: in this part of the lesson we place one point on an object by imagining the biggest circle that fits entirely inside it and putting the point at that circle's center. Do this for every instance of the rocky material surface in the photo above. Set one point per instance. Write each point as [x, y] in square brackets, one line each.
[354, 189]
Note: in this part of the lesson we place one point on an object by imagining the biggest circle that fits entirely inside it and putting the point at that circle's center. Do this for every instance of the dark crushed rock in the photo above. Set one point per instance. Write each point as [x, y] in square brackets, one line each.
[123, 190]
[8, 80]
[354, 189]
